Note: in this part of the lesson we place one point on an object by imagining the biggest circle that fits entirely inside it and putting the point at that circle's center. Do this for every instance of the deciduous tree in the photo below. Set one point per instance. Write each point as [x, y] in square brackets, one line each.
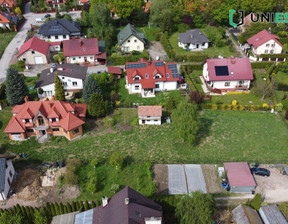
[125, 8]
[16, 88]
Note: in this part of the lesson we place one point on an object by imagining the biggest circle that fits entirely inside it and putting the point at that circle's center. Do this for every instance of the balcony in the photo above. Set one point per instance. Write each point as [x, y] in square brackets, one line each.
[41, 127]
[241, 87]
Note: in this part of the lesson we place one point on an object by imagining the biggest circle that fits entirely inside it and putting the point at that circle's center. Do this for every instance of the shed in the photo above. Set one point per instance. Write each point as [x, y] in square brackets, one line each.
[240, 177]
[243, 214]
[271, 214]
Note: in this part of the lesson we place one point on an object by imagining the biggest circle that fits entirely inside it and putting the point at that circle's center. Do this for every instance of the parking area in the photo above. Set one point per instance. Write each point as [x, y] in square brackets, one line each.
[275, 187]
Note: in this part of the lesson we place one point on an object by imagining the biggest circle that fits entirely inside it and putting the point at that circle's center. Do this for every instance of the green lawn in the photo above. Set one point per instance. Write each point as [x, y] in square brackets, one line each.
[242, 99]
[211, 51]
[149, 32]
[5, 39]
[224, 136]
[282, 80]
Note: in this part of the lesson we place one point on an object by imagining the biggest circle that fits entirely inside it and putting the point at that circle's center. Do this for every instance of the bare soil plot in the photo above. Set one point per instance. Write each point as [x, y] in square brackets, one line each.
[156, 50]
[161, 178]
[211, 178]
[275, 187]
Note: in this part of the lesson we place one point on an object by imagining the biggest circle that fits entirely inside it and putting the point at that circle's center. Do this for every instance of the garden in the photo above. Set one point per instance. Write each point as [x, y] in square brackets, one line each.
[5, 39]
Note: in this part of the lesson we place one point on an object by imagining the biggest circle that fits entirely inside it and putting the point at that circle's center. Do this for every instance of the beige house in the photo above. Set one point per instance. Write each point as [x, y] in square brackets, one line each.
[34, 51]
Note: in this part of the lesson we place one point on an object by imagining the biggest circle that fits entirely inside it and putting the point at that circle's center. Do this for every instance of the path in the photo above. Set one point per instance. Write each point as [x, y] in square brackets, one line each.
[236, 46]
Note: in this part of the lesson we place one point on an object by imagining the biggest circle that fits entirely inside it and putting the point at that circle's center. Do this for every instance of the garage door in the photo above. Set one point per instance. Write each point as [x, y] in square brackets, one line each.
[16, 137]
[38, 60]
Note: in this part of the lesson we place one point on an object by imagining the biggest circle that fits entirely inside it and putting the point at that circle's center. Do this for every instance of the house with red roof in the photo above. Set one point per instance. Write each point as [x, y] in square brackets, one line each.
[84, 2]
[265, 43]
[4, 22]
[46, 118]
[126, 207]
[34, 51]
[227, 74]
[150, 115]
[84, 51]
[148, 77]
[115, 71]
[239, 177]
[7, 4]
[55, 3]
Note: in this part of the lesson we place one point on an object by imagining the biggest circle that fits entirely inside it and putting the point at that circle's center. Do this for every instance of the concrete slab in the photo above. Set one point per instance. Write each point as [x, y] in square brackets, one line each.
[176, 179]
[195, 178]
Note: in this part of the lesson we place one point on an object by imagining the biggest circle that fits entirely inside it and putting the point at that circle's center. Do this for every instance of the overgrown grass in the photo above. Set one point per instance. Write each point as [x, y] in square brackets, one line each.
[282, 81]
[211, 51]
[224, 136]
[149, 33]
[5, 39]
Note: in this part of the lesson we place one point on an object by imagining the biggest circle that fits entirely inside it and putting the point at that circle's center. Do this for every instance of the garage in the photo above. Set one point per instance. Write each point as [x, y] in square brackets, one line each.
[38, 60]
[16, 136]
[240, 177]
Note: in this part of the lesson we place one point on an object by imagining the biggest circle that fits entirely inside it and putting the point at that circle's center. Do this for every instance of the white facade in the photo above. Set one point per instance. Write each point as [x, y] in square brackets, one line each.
[69, 84]
[193, 47]
[149, 120]
[9, 176]
[80, 59]
[159, 86]
[132, 44]
[270, 47]
[4, 25]
[57, 38]
[32, 57]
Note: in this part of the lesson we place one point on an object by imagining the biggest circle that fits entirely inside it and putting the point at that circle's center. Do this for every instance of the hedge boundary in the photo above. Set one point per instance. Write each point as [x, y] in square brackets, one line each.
[236, 107]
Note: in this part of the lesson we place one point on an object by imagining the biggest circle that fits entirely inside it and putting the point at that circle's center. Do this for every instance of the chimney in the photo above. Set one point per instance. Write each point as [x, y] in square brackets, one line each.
[26, 99]
[233, 60]
[81, 43]
[126, 201]
[104, 201]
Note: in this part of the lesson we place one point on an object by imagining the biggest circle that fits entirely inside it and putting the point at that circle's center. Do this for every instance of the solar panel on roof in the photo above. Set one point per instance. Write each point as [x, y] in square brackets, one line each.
[172, 66]
[138, 65]
[158, 63]
[175, 76]
[221, 70]
[84, 217]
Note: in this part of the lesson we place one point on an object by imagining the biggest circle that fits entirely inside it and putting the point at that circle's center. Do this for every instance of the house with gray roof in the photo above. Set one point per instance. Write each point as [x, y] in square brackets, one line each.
[71, 75]
[244, 214]
[57, 30]
[193, 40]
[7, 173]
[271, 214]
[131, 39]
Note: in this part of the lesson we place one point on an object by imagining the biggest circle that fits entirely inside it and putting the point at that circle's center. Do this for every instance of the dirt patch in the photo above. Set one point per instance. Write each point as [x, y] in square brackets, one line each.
[223, 216]
[273, 188]
[161, 178]
[211, 178]
[156, 50]
[25, 178]
[124, 127]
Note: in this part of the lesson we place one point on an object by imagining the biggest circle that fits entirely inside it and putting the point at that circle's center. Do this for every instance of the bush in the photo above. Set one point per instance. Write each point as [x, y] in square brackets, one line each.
[234, 102]
[259, 65]
[256, 202]
[279, 107]
[109, 122]
[116, 160]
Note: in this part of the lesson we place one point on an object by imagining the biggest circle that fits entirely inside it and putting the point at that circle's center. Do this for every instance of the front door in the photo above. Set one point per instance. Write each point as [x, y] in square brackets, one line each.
[43, 132]
[85, 59]
[143, 121]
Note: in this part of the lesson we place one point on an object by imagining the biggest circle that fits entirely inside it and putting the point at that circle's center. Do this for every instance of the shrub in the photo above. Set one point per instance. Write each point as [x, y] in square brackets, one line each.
[109, 122]
[234, 102]
[256, 202]
[265, 106]
[116, 160]
[279, 107]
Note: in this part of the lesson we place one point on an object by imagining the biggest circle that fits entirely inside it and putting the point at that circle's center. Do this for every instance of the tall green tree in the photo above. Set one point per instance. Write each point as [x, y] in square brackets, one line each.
[40, 216]
[105, 82]
[185, 119]
[90, 87]
[171, 104]
[258, 6]
[59, 89]
[16, 88]
[97, 105]
[195, 208]
[125, 8]
[10, 218]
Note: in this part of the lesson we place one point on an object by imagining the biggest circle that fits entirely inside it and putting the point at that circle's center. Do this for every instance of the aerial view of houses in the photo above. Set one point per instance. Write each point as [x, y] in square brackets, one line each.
[143, 112]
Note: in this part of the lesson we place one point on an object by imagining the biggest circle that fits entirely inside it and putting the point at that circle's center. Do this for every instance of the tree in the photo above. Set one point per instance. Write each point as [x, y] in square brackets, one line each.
[256, 202]
[186, 121]
[171, 104]
[105, 82]
[97, 105]
[195, 208]
[18, 11]
[257, 6]
[40, 216]
[90, 87]
[59, 89]
[116, 160]
[67, 16]
[125, 8]
[16, 88]
[9, 218]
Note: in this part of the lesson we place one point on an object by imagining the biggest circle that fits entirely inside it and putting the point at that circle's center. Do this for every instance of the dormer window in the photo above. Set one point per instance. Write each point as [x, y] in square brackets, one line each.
[146, 76]
[54, 120]
[157, 76]
[27, 121]
[167, 75]
[136, 78]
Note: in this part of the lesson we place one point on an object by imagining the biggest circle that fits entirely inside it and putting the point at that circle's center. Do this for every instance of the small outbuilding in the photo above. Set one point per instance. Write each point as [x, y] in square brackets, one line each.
[150, 115]
[271, 214]
[240, 177]
[244, 214]
[7, 174]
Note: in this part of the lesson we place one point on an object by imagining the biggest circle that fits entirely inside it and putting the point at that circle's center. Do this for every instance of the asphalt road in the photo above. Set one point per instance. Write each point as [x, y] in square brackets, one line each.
[19, 39]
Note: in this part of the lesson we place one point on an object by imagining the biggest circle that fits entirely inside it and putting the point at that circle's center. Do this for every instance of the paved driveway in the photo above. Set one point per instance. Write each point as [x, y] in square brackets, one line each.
[19, 39]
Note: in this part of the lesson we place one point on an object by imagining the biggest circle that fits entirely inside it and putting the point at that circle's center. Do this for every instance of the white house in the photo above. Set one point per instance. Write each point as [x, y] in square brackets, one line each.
[150, 115]
[7, 173]
[193, 40]
[130, 39]
[57, 30]
[265, 43]
[72, 77]
[227, 74]
[147, 78]
[34, 51]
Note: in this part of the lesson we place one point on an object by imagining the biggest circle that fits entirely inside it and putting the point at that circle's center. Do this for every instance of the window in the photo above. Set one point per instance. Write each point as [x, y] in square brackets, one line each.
[267, 45]
[64, 83]
[55, 129]
[75, 131]
[136, 78]
[138, 214]
[135, 41]
[167, 75]
[266, 51]
[128, 41]
[74, 83]
[27, 120]
[24, 59]
[49, 37]
[148, 116]
[64, 36]
[56, 37]
[29, 130]
[241, 82]
[32, 52]
[272, 45]
[203, 44]
[91, 57]
[157, 86]
[146, 76]
[63, 77]
[157, 76]
[40, 120]
[155, 120]
[227, 83]
[79, 57]
[271, 51]
[136, 87]
[74, 59]
[53, 119]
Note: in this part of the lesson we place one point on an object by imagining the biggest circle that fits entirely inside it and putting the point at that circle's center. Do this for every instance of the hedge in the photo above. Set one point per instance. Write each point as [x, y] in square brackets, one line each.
[121, 60]
[192, 67]
[236, 107]
[190, 58]
[259, 65]
[273, 56]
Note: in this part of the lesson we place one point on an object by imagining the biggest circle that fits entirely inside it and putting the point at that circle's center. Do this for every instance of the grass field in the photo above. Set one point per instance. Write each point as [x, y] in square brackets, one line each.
[211, 51]
[224, 136]
[5, 39]
[282, 80]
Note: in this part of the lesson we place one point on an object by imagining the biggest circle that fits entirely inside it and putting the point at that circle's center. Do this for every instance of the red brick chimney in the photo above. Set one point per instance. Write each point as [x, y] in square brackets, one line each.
[26, 99]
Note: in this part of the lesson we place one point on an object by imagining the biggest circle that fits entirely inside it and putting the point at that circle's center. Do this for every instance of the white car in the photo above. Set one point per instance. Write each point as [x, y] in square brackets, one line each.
[40, 20]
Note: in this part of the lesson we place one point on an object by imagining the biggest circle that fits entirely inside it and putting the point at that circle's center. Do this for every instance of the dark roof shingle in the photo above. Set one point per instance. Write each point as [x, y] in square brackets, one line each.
[193, 37]
[129, 30]
[60, 27]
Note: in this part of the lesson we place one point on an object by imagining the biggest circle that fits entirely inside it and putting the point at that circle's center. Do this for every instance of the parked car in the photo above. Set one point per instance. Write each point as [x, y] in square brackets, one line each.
[40, 20]
[260, 171]
[47, 16]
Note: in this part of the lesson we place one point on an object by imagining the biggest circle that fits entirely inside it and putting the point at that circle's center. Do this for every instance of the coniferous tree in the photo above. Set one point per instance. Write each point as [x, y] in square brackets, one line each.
[97, 106]
[69, 207]
[86, 205]
[16, 88]
[74, 206]
[61, 208]
[93, 204]
[40, 216]
[90, 87]
[59, 89]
